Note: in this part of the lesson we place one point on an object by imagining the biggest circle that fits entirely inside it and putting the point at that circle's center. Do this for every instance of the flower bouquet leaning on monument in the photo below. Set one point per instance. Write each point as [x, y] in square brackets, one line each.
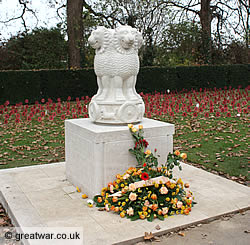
[147, 191]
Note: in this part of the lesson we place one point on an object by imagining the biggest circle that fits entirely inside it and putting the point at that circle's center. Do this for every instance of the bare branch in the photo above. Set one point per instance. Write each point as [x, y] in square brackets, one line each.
[59, 8]
[21, 16]
[90, 9]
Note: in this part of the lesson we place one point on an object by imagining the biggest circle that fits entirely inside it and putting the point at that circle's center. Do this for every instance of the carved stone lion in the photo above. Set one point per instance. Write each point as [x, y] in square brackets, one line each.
[116, 65]
[100, 40]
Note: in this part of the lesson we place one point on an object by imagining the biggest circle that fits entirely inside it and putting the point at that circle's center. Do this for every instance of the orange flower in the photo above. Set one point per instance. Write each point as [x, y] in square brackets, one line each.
[109, 184]
[99, 199]
[116, 209]
[186, 185]
[147, 152]
[186, 211]
[153, 196]
[144, 208]
[122, 215]
[140, 127]
[159, 169]
[159, 212]
[132, 169]
[114, 199]
[118, 176]
[189, 201]
[130, 125]
[183, 156]
[142, 216]
[135, 173]
[112, 208]
[154, 207]
[168, 184]
[177, 153]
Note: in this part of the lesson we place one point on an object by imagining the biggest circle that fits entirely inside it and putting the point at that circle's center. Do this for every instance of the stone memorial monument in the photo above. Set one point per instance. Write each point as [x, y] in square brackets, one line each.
[96, 148]
[116, 66]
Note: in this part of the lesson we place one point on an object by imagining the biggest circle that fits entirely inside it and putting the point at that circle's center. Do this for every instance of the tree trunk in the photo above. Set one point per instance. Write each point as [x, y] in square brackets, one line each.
[206, 19]
[75, 32]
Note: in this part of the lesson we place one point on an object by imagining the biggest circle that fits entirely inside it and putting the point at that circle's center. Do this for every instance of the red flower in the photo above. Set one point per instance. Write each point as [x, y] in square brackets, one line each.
[195, 114]
[63, 117]
[145, 143]
[39, 119]
[228, 114]
[144, 165]
[184, 114]
[217, 114]
[206, 114]
[144, 176]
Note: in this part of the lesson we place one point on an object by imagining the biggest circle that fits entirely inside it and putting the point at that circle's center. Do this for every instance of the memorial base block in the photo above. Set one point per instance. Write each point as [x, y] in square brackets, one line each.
[95, 153]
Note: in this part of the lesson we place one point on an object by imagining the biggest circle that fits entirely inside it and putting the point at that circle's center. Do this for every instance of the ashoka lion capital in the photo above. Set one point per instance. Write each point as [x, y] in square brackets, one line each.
[116, 65]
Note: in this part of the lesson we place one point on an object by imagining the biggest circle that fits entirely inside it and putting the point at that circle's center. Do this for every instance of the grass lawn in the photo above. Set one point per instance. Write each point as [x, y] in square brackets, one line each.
[211, 126]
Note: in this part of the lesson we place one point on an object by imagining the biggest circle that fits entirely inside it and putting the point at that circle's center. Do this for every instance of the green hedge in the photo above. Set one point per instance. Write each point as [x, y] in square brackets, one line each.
[16, 86]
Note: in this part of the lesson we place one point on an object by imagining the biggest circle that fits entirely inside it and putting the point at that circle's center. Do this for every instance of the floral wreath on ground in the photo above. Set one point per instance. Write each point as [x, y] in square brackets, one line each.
[147, 191]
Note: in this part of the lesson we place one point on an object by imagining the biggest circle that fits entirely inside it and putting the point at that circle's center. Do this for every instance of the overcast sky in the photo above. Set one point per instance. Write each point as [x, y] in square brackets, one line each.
[45, 12]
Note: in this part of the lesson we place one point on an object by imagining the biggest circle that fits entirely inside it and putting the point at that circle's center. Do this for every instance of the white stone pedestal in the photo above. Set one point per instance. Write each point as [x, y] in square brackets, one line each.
[95, 153]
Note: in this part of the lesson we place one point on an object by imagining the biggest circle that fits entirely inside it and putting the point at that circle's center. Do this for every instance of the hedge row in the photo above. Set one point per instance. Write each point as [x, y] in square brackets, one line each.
[16, 86]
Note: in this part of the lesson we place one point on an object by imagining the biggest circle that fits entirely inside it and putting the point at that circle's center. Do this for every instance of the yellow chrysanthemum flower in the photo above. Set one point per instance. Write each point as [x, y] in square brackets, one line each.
[130, 125]
[134, 130]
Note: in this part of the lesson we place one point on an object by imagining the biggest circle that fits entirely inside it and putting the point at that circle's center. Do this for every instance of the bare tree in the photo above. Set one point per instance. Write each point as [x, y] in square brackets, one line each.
[230, 16]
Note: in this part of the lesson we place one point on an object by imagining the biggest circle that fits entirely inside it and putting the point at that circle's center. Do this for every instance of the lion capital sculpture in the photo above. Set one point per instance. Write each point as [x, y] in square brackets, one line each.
[116, 65]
